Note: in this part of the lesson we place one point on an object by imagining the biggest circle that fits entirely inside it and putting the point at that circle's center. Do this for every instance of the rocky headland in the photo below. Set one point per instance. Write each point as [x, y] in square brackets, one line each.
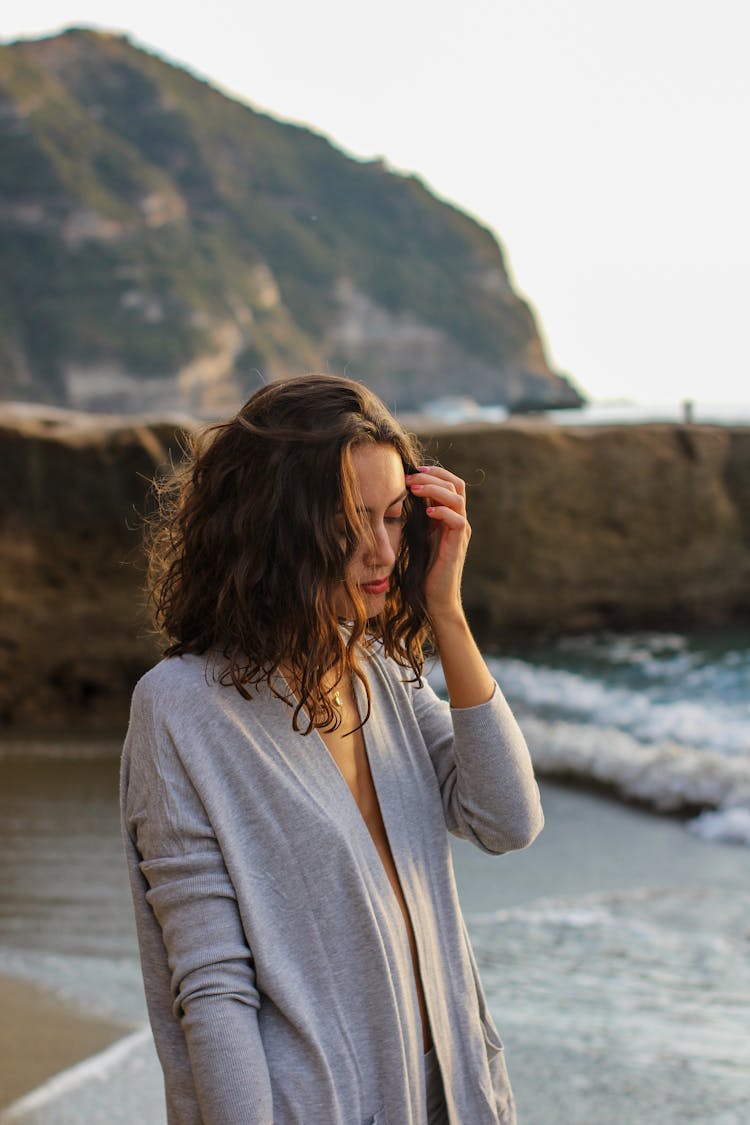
[574, 528]
[164, 243]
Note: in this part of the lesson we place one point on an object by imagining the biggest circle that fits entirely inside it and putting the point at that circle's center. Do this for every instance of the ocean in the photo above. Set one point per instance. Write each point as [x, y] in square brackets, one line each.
[660, 718]
[457, 409]
[614, 951]
[700, 411]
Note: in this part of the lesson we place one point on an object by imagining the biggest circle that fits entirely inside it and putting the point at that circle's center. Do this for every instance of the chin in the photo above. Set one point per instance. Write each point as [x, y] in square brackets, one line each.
[374, 604]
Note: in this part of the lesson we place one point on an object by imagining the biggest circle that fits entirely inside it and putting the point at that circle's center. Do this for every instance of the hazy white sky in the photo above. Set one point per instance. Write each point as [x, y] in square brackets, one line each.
[605, 143]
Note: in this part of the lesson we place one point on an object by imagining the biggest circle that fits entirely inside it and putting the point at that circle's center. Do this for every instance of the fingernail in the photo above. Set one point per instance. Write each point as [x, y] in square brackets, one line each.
[430, 511]
[416, 487]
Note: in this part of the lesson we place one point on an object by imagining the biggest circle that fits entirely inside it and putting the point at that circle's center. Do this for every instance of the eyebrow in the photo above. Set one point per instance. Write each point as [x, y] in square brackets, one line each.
[392, 504]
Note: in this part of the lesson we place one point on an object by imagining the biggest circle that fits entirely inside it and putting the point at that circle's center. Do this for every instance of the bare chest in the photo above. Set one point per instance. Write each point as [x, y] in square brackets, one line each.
[349, 754]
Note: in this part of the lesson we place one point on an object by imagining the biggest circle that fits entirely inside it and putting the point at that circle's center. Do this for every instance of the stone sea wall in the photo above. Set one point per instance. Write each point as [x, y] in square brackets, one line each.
[574, 528]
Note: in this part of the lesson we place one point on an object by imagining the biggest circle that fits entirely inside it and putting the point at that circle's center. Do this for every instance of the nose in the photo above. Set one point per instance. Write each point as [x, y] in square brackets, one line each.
[380, 551]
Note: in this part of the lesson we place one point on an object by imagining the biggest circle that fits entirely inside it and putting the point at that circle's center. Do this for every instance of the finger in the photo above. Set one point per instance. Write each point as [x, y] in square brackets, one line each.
[451, 519]
[439, 494]
[444, 475]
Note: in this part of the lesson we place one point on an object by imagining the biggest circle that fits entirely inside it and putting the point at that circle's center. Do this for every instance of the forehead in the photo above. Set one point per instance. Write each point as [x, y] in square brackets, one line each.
[379, 474]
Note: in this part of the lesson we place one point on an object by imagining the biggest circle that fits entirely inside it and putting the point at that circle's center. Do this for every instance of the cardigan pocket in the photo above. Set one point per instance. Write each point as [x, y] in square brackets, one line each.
[492, 1040]
[504, 1101]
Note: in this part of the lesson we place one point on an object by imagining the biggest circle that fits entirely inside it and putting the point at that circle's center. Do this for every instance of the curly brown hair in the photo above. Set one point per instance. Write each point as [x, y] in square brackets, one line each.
[253, 537]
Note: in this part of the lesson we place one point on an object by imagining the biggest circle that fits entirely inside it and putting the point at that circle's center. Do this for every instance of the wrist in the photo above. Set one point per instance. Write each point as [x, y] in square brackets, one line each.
[449, 623]
[467, 677]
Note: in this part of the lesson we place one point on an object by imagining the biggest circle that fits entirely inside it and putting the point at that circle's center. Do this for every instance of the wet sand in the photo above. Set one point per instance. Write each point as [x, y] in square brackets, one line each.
[41, 1035]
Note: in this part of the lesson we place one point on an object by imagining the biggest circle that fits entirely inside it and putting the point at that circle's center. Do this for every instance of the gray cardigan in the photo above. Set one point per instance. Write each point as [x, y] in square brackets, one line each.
[276, 963]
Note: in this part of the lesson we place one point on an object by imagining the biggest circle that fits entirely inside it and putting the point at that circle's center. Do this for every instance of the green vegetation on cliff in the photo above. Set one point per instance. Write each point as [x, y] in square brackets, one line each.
[147, 220]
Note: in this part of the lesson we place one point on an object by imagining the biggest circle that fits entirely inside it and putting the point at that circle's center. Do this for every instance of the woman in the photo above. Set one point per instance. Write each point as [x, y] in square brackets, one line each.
[288, 779]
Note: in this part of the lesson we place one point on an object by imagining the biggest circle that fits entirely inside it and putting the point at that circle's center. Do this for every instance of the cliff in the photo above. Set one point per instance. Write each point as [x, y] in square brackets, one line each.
[574, 528]
[164, 243]
[580, 528]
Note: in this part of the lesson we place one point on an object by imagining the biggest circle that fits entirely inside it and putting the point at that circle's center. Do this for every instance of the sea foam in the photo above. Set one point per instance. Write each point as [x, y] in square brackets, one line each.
[697, 718]
[647, 715]
[668, 776]
[729, 825]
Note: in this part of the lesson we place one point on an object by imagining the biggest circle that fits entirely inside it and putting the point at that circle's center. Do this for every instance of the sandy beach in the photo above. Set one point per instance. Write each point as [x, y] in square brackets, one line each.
[41, 1035]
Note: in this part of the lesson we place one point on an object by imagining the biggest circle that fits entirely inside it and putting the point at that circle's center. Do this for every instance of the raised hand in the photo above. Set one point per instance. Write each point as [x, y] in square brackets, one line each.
[445, 496]
[466, 674]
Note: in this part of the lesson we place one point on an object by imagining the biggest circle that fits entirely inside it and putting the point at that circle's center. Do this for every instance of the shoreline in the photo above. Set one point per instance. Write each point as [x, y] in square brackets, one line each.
[595, 855]
[42, 1034]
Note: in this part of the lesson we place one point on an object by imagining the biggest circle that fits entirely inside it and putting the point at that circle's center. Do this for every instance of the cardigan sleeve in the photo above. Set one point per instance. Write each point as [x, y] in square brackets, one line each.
[484, 770]
[182, 883]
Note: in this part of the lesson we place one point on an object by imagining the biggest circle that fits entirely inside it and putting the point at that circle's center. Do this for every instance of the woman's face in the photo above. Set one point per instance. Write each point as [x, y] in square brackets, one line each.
[380, 478]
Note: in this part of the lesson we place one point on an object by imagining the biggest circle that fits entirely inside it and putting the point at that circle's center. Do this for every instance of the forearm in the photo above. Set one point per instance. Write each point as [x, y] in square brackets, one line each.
[495, 789]
[197, 964]
[467, 677]
[484, 770]
[482, 762]
[228, 1062]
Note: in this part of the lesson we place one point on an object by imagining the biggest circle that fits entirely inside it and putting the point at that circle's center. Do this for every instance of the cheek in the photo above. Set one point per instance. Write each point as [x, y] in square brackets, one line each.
[355, 560]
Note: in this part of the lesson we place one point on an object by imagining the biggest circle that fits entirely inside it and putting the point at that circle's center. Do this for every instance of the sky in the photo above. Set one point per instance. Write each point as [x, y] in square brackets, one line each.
[601, 141]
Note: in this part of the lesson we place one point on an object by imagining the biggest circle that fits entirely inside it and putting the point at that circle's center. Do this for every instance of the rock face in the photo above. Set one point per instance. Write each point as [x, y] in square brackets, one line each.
[165, 246]
[574, 528]
[579, 528]
[74, 634]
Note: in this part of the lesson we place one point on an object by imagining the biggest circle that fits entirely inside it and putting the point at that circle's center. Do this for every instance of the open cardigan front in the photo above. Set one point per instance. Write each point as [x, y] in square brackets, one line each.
[276, 962]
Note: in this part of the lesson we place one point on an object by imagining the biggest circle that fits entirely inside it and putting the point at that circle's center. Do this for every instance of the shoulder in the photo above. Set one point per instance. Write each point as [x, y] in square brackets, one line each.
[172, 678]
[170, 707]
[190, 700]
[174, 693]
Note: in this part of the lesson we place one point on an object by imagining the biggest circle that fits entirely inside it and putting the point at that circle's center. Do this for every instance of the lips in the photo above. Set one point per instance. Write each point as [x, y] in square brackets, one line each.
[379, 587]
